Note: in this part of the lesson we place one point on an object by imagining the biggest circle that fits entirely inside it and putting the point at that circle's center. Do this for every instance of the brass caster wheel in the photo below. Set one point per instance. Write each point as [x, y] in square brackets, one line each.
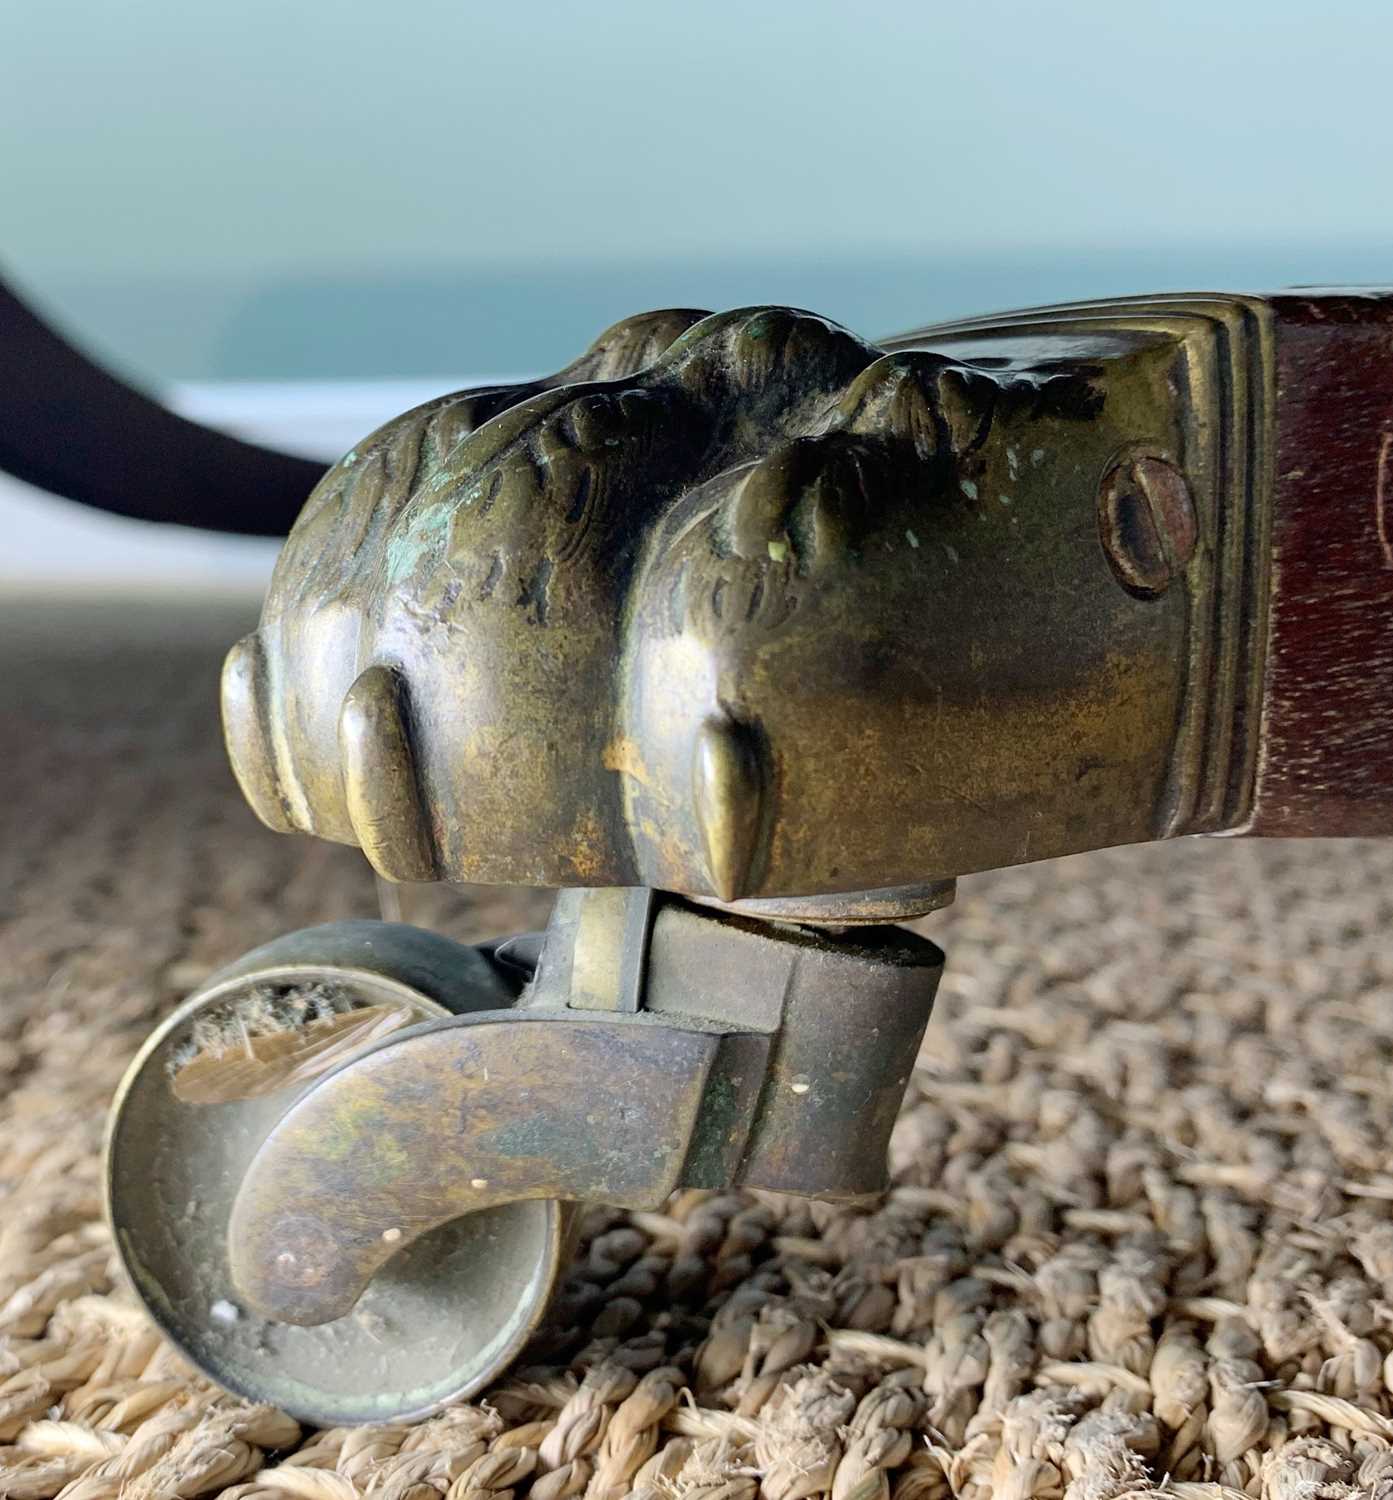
[447, 1312]
[341, 1177]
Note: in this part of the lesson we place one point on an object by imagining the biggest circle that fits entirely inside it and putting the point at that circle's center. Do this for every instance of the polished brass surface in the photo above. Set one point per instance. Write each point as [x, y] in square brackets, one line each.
[195, 1107]
[746, 608]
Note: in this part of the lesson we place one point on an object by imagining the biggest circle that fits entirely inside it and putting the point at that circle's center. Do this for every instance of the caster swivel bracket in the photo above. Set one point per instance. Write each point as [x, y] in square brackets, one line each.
[658, 1046]
[341, 1176]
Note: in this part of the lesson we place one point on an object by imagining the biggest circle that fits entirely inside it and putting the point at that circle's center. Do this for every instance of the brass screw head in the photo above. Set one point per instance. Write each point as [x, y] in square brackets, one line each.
[1147, 523]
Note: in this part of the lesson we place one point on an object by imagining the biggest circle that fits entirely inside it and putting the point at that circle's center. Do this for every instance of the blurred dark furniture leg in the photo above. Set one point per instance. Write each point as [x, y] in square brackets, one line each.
[70, 427]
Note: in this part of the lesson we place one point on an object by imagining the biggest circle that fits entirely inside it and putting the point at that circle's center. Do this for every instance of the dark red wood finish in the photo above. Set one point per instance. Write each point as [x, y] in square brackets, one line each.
[1326, 763]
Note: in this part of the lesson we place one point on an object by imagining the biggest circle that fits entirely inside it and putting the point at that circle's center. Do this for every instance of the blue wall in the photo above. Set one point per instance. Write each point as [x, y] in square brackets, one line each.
[376, 187]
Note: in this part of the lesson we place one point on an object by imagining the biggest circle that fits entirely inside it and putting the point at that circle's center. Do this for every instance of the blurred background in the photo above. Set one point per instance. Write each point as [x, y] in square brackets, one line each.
[293, 220]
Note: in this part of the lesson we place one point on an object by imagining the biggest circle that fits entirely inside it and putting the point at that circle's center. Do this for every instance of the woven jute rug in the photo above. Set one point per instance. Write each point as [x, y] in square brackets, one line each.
[1140, 1236]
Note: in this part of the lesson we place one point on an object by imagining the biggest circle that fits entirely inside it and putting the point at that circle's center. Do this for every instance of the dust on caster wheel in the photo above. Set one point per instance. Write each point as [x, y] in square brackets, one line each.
[446, 1313]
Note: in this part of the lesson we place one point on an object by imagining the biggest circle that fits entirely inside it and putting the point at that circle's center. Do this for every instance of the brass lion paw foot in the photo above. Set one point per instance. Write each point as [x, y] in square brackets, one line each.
[651, 622]
[750, 637]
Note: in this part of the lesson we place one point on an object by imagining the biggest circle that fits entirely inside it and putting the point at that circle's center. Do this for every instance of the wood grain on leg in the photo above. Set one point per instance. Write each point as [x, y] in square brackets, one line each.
[1326, 766]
